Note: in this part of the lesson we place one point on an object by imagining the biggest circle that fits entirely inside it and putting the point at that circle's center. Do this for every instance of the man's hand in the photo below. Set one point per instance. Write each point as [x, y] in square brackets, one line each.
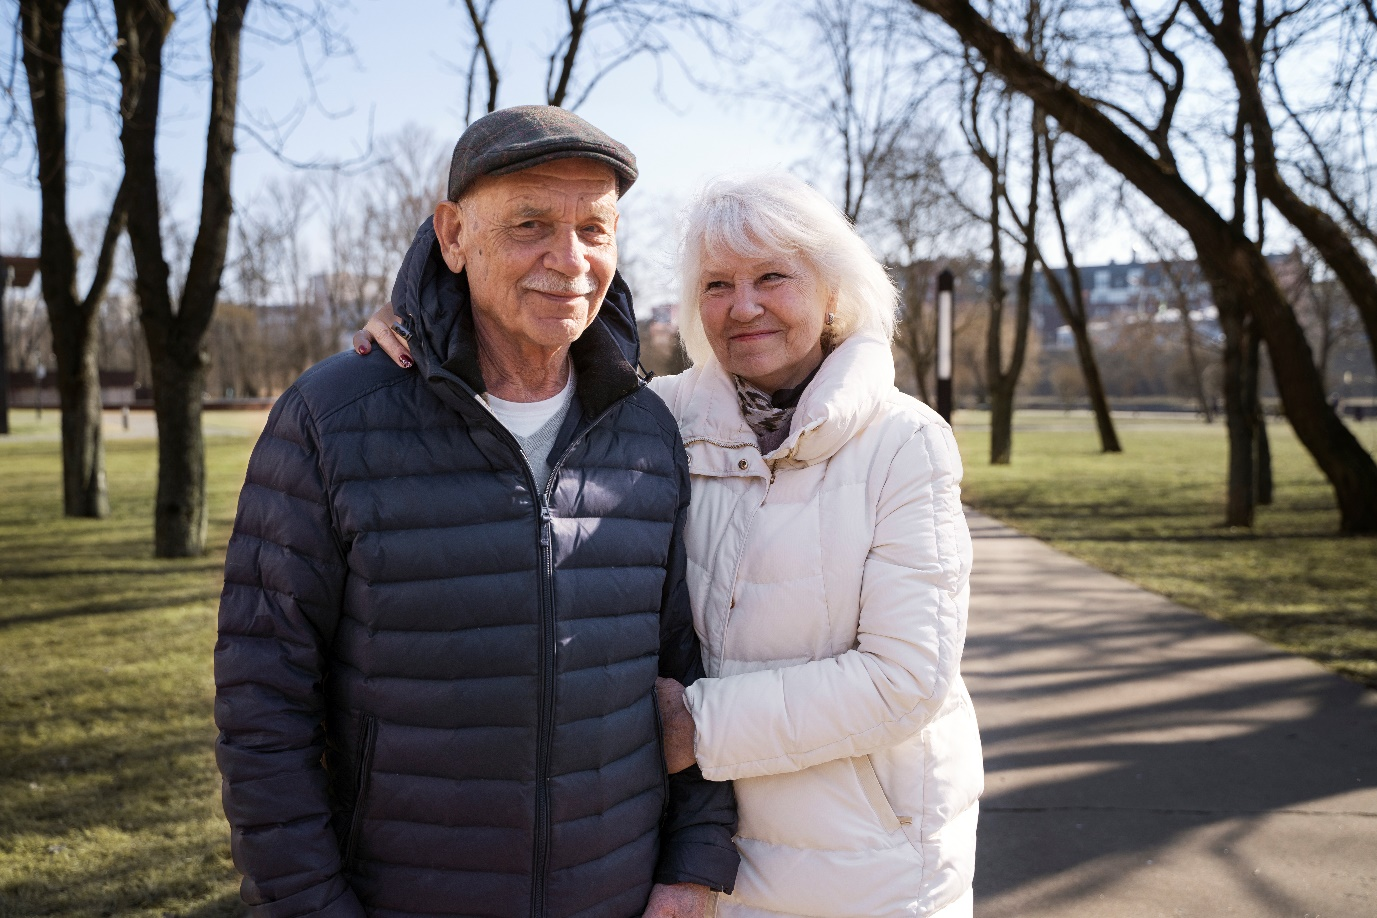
[682, 900]
[381, 329]
[677, 723]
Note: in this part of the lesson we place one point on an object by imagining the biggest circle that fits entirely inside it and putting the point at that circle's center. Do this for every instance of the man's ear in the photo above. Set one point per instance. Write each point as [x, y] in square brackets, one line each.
[449, 218]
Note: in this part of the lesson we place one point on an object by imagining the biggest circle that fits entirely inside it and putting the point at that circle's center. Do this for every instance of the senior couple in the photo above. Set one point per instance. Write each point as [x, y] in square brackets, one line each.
[480, 654]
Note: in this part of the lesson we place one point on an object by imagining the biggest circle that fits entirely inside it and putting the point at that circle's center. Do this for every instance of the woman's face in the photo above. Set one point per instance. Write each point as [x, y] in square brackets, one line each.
[763, 317]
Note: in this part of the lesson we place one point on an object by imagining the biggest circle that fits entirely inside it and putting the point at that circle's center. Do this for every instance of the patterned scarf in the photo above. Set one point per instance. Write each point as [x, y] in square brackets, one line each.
[769, 416]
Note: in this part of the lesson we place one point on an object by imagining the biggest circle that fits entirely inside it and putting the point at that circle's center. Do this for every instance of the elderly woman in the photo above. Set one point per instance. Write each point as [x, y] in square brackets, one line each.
[828, 569]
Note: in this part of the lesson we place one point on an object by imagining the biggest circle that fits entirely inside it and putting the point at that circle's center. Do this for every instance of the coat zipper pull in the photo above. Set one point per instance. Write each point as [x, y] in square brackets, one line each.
[545, 527]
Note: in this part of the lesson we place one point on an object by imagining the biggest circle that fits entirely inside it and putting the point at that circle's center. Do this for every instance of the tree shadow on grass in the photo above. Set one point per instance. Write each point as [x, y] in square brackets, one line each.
[111, 607]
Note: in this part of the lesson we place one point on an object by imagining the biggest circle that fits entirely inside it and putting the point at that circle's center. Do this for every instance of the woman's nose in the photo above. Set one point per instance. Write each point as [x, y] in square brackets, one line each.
[745, 305]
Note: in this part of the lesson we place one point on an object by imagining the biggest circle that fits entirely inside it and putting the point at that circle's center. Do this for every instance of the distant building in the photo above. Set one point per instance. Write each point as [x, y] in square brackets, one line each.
[1119, 295]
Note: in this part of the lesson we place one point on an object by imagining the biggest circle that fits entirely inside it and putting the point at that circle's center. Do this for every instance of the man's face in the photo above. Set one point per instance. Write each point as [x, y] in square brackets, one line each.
[540, 249]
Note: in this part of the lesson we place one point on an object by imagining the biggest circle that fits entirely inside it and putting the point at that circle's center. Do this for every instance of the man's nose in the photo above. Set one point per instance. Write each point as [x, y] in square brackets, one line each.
[568, 255]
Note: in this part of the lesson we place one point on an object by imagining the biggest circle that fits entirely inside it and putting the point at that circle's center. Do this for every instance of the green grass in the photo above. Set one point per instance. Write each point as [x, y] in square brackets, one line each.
[1154, 513]
[109, 798]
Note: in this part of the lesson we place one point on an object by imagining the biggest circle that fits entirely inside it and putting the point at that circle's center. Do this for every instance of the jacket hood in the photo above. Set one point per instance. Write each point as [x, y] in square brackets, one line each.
[841, 400]
[434, 303]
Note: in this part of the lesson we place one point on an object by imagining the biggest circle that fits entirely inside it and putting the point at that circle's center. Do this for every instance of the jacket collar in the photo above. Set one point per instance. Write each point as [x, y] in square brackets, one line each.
[849, 388]
[435, 304]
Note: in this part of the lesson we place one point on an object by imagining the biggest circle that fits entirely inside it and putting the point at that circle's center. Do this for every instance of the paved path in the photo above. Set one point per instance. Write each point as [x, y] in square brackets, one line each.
[1143, 760]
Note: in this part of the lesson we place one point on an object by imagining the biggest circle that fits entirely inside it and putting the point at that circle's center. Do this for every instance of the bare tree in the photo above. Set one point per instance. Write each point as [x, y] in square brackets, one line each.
[1175, 274]
[175, 327]
[1330, 319]
[864, 100]
[1246, 48]
[1236, 269]
[991, 109]
[1072, 305]
[914, 224]
[72, 315]
[609, 34]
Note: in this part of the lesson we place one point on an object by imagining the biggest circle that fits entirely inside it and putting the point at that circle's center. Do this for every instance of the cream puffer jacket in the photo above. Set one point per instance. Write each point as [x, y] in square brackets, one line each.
[829, 582]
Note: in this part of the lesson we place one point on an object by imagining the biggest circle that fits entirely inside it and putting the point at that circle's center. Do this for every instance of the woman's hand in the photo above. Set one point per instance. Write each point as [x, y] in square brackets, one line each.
[382, 329]
[677, 723]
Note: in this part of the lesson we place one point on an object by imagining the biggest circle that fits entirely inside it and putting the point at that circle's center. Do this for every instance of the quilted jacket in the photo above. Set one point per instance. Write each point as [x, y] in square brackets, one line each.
[829, 581]
[434, 686]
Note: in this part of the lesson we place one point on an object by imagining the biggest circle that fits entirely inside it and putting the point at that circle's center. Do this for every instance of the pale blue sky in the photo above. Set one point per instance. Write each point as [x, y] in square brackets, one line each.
[399, 76]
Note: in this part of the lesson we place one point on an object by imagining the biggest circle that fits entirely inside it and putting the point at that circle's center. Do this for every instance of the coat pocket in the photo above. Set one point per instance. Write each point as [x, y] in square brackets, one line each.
[363, 773]
[875, 794]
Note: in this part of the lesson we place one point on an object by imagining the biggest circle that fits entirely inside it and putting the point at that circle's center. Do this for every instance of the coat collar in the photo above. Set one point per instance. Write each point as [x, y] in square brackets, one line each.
[435, 304]
[850, 386]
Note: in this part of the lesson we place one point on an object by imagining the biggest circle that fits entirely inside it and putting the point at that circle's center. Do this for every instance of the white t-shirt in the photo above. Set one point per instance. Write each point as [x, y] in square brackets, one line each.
[525, 418]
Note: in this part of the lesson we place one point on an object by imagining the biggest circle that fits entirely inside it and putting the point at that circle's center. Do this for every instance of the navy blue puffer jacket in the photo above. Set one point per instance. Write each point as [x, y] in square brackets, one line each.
[435, 687]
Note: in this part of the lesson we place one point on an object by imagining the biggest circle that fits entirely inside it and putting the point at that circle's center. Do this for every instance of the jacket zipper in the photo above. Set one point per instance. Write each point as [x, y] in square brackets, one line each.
[541, 854]
[547, 709]
[363, 769]
[547, 651]
[736, 564]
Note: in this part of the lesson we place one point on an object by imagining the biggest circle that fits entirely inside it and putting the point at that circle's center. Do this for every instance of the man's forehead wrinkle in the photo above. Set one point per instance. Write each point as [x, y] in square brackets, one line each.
[534, 205]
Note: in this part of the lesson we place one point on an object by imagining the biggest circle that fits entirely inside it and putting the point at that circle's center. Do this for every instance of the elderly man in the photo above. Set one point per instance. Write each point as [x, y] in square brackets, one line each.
[449, 593]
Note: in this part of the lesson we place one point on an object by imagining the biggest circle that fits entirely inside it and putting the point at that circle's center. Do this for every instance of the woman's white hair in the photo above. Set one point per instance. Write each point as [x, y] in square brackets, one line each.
[773, 213]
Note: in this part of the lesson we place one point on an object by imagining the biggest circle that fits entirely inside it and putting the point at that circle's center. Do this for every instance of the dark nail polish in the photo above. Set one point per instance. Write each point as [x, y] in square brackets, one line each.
[405, 362]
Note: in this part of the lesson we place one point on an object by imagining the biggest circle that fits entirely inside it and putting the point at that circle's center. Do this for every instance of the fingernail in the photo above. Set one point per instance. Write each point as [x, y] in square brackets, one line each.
[363, 351]
[405, 362]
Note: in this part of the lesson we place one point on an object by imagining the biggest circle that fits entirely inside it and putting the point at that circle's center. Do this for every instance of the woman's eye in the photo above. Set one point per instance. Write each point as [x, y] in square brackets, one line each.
[772, 276]
[715, 285]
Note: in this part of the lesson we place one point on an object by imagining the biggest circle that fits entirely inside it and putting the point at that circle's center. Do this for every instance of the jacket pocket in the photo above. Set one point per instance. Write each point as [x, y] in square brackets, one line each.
[876, 796]
[363, 773]
[660, 749]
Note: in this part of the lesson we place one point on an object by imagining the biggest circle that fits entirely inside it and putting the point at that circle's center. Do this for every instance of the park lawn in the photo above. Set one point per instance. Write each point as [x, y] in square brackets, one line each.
[1153, 515]
[109, 797]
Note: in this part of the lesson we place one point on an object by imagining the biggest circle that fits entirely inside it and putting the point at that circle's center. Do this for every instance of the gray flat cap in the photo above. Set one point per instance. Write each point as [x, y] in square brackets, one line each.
[517, 138]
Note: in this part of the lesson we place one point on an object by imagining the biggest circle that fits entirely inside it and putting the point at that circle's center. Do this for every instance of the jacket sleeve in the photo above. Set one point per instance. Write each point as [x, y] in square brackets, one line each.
[284, 577]
[696, 835]
[912, 629]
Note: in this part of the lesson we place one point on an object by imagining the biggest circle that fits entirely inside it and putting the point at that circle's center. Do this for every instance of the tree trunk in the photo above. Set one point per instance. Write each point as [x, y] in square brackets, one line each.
[176, 336]
[1001, 424]
[1193, 358]
[1262, 449]
[83, 446]
[1230, 261]
[1239, 417]
[179, 524]
[72, 318]
[1072, 309]
[1085, 356]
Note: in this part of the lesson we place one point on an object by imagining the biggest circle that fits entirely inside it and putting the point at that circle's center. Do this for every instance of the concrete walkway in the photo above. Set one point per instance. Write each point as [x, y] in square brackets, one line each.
[1143, 760]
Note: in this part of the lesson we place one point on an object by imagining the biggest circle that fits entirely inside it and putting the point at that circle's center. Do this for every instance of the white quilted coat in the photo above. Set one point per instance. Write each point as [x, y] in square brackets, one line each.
[830, 582]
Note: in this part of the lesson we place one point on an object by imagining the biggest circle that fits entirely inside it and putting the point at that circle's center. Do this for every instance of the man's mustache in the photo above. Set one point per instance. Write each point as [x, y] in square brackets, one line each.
[557, 284]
